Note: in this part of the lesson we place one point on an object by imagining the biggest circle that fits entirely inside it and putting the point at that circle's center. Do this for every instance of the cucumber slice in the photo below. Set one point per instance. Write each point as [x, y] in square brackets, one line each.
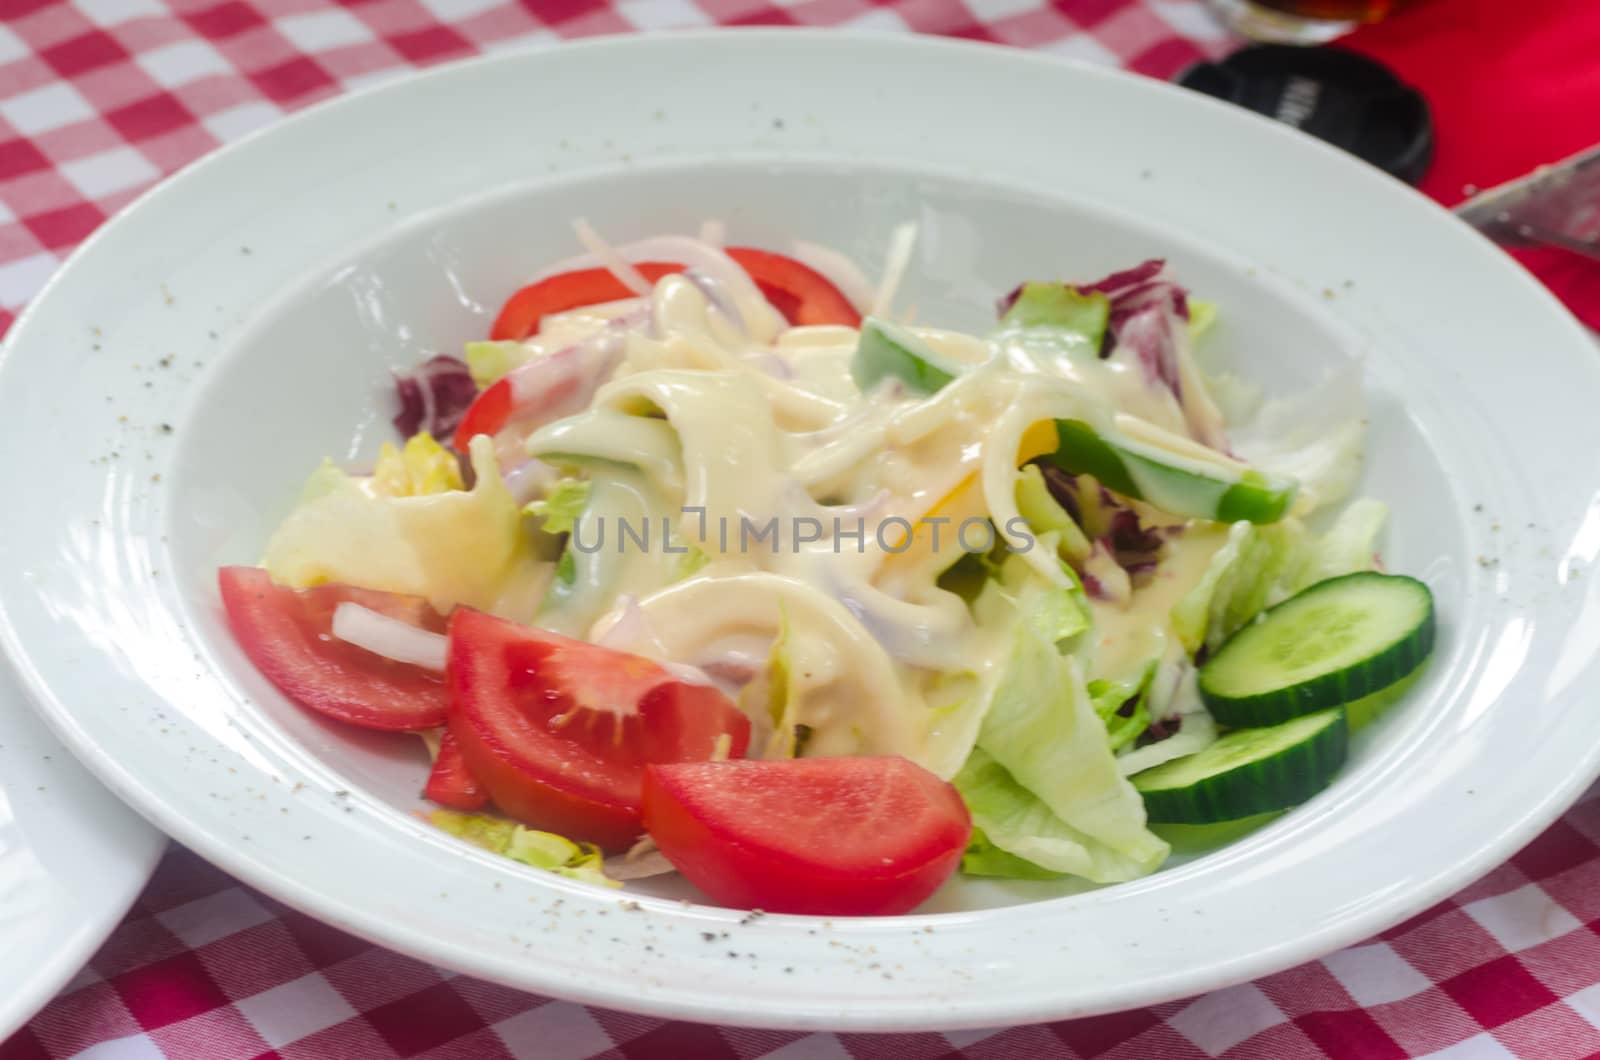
[887, 350]
[1172, 482]
[1248, 771]
[1328, 645]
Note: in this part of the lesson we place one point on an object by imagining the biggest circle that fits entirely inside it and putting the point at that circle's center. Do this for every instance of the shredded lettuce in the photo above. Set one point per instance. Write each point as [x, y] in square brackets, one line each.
[1058, 317]
[561, 507]
[489, 362]
[1260, 566]
[1042, 783]
[983, 858]
[421, 468]
[1201, 316]
[1108, 699]
[1055, 613]
[782, 698]
[1044, 515]
[455, 547]
[690, 561]
[541, 850]
[1349, 545]
[1192, 615]
[1196, 728]
[1315, 436]
[1017, 822]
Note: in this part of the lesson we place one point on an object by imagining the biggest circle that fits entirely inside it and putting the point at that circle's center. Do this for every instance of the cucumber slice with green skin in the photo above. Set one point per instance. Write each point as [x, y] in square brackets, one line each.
[1331, 644]
[1173, 483]
[1247, 771]
[887, 350]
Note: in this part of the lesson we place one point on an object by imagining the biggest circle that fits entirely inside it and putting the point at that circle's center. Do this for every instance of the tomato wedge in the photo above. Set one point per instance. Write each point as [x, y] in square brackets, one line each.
[559, 731]
[288, 634]
[802, 294]
[824, 836]
[519, 318]
[450, 783]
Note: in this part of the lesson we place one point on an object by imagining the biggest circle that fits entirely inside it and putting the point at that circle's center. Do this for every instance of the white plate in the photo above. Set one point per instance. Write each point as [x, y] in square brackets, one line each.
[257, 302]
[72, 859]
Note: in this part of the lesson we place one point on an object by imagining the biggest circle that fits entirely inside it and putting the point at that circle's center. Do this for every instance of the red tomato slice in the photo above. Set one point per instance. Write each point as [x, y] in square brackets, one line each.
[288, 634]
[826, 836]
[488, 412]
[520, 316]
[559, 731]
[802, 294]
[450, 783]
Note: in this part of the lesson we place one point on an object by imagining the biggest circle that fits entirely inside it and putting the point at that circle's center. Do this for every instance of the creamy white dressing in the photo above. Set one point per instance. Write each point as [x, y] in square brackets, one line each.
[759, 450]
[1127, 636]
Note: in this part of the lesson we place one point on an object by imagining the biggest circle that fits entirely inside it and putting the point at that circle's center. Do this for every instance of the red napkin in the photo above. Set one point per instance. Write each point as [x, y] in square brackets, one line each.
[1512, 84]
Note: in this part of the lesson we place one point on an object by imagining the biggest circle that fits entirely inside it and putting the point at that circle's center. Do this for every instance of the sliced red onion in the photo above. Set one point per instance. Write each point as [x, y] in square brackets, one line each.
[549, 388]
[607, 255]
[926, 635]
[689, 675]
[769, 363]
[717, 298]
[640, 861]
[734, 669]
[630, 629]
[389, 637]
[896, 262]
[530, 480]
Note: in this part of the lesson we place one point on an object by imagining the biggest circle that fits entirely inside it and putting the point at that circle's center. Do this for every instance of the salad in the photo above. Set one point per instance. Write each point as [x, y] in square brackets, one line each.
[710, 560]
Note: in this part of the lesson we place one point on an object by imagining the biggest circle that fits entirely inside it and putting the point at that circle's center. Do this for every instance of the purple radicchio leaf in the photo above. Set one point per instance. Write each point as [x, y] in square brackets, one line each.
[434, 397]
[1149, 335]
[1159, 730]
[1003, 304]
[1063, 489]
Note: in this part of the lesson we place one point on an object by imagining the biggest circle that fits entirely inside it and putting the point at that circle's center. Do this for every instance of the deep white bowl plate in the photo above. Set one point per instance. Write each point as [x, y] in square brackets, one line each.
[256, 304]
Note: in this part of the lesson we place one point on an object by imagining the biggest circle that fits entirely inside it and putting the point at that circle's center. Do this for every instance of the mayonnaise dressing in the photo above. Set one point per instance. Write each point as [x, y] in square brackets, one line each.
[807, 498]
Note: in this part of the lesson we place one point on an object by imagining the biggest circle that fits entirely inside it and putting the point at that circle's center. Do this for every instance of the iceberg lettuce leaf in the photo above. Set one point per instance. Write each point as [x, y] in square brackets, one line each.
[491, 361]
[1349, 545]
[983, 858]
[1260, 566]
[455, 547]
[1015, 821]
[420, 468]
[540, 850]
[1315, 436]
[1043, 783]
[561, 507]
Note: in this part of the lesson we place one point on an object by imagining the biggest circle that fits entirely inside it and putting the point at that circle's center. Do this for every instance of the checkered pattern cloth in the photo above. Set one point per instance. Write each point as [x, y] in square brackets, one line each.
[100, 98]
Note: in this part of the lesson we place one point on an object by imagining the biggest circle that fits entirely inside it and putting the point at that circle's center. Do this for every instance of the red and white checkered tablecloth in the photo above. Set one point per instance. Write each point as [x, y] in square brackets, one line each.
[99, 98]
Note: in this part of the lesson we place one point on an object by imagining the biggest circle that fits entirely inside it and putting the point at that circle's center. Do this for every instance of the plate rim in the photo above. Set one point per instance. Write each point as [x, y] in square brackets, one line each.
[99, 920]
[245, 868]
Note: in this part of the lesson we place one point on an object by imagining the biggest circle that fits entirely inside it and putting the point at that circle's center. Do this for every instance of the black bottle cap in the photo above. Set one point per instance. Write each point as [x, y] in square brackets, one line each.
[1336, 95]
